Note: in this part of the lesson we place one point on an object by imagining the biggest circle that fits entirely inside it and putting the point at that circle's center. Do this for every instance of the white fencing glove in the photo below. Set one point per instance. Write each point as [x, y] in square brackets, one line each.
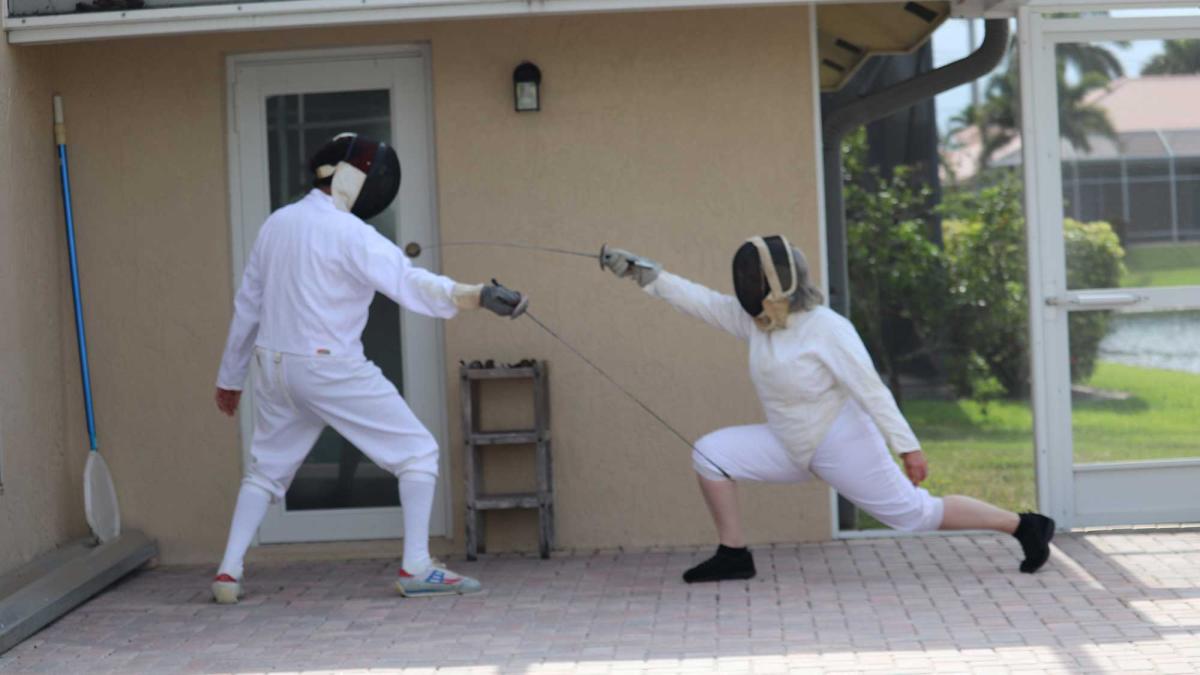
[628, 265]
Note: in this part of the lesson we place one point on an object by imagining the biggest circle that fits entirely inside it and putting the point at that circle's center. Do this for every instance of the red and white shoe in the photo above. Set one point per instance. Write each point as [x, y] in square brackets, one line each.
[226, 590]
[435, 580]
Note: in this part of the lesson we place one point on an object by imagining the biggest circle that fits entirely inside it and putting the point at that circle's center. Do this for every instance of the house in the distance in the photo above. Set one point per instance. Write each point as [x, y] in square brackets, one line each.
[1145, 181]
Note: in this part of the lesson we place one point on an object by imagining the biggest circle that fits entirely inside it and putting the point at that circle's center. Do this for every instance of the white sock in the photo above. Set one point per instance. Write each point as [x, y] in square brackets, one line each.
[416, 497]
[251, 508]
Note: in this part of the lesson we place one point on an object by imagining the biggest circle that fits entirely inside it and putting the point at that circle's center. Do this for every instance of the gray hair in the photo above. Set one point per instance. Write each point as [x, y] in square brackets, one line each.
[807, 296]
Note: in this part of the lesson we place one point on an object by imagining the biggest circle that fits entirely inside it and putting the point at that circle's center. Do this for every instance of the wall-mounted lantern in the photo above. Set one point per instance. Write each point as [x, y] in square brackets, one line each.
[527, 83]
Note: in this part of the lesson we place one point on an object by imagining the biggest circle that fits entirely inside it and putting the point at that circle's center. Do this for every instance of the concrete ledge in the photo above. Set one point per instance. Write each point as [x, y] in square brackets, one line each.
[50, 586]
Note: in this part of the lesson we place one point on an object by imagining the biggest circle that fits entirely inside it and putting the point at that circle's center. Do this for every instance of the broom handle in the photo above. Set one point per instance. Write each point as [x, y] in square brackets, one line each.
[60, 139]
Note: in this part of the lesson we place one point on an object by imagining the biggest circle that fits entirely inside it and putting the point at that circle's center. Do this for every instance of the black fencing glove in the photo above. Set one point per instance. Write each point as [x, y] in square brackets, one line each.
[503, 301]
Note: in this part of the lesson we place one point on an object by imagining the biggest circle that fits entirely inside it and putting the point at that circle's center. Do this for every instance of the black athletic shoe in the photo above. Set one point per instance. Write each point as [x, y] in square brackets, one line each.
[727, 563]
[1034, 532]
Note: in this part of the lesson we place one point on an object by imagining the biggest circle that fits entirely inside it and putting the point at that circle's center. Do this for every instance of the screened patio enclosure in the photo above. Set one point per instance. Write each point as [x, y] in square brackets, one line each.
[1145, 178]
[1145, 183]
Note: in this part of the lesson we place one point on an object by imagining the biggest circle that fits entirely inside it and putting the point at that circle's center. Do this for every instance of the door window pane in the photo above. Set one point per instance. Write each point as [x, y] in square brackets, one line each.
[1130, 161]
[1136, 385]
[336, 474]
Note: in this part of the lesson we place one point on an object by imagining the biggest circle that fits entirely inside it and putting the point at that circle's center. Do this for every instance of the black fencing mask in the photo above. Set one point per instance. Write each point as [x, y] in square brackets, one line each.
[365, 173]
[765, 278]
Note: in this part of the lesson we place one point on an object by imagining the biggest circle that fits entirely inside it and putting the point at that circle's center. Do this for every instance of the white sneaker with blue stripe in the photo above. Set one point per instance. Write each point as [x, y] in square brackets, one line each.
[435, 580]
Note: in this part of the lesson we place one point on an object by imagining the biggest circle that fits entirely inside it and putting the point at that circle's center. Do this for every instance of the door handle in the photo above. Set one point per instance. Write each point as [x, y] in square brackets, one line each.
[1096, 299]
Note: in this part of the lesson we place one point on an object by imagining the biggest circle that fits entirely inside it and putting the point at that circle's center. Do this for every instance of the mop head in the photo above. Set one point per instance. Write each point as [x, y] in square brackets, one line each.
[100, 499]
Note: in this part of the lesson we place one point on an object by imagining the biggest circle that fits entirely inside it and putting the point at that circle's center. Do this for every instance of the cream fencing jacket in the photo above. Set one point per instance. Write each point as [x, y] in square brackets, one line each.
[309, 282]
[803, 373]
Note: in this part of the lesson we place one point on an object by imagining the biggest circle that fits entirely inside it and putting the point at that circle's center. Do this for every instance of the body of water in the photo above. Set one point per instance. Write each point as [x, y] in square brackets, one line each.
[1166, 340]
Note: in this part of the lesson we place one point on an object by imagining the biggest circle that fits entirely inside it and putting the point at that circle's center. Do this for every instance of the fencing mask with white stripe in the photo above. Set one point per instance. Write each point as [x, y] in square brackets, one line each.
[363, 174]
[767, 277]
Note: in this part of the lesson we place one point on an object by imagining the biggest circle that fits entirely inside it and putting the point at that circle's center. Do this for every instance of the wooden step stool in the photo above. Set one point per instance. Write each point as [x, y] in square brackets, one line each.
[475, 440]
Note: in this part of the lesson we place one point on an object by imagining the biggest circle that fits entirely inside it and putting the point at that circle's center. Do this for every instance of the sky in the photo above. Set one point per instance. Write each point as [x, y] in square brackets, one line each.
[951, 42]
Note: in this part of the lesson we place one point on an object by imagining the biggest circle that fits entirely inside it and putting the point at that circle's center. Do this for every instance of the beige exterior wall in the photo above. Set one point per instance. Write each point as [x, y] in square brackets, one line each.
[41, 504]
[673, 134]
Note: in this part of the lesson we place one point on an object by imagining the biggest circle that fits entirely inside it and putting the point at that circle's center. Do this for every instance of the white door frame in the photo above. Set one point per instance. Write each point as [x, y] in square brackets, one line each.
[424, 378]
[1062, 486]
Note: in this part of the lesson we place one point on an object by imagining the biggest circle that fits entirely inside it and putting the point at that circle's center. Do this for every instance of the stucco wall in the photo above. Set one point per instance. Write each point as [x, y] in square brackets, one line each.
[41, 504]
[674, 134]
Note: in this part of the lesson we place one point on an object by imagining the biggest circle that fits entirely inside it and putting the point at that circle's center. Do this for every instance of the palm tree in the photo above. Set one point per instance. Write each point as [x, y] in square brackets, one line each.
[1077, 119]
[1089, 58]
[998, 115]
[1179, 57]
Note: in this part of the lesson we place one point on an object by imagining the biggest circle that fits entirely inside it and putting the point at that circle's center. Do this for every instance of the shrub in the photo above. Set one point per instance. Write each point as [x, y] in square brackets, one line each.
[988, 314]
[1094, 260]
[898, 277]
[968, 302]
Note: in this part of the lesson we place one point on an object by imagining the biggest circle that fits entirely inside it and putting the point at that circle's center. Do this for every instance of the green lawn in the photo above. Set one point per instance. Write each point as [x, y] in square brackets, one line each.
[1162, 265]
[989, 453]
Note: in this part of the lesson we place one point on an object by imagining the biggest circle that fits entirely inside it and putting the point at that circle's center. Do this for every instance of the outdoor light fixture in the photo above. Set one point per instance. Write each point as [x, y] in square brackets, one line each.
[527, 80]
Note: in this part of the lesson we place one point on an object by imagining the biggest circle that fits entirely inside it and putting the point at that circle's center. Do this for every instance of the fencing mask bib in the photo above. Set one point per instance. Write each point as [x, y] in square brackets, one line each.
[765, 278]
[365, 173]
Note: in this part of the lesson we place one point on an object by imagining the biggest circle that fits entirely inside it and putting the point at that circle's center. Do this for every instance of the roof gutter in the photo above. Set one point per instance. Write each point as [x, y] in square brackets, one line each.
[875, 106]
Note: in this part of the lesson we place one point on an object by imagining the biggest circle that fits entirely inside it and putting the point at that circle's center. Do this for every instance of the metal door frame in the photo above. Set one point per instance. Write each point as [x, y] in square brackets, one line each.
[1050, 302]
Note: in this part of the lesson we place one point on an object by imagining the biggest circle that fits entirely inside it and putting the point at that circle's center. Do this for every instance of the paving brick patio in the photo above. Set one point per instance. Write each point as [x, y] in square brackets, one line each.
[1114, 602]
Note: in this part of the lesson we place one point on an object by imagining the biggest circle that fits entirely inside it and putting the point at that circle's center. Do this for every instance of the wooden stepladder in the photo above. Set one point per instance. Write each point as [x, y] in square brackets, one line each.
[474, 441]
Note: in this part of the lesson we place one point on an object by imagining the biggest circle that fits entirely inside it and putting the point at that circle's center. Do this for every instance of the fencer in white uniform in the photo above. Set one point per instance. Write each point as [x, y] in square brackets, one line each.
[299, 315]
[828, 412]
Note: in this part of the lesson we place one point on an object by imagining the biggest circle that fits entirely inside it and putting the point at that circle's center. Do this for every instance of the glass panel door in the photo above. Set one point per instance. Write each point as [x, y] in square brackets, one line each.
[1131, 265]
[336, 474]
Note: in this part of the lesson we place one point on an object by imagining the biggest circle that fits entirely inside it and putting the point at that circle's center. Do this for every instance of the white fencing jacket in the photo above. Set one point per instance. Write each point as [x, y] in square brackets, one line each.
[309, 282]
[803, 373]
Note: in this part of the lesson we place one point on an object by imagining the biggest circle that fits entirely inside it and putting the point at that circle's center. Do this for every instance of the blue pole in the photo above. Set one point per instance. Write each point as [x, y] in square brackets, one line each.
[79, 331]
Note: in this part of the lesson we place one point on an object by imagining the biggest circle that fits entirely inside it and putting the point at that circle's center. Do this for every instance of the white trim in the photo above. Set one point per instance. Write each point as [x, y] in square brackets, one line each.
[900, 534]
[1139, 522]
[984, 9]
[1109, 29]
[1137, 493]
[835, 526]
[442, 428]
[237, 247]
[818, 148]
[324, 55]
[1146, 464]
[323, 13]
[1048, 327]
[822, 226]
[1067, 6]
[1112, 28]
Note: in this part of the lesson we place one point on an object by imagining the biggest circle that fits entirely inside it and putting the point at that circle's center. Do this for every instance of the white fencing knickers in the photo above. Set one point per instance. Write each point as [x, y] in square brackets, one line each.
[295, 397]
[853, 458]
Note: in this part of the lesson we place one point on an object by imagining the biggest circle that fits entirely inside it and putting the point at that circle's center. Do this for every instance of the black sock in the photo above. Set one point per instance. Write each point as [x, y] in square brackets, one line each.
[727, 563]
[1034, 532]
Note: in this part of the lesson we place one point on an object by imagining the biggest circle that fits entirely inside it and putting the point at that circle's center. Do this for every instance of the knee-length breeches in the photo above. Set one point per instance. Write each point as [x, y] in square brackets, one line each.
[295, 397]
[853, 458]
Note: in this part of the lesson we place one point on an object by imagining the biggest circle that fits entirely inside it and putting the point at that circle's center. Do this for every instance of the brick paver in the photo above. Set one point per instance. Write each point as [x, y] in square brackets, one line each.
[1113, 602]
